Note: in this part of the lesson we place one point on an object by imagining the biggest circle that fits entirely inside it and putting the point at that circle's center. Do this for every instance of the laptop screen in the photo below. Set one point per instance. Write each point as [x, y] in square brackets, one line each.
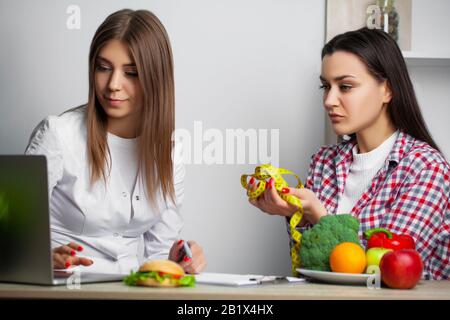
[24, 220]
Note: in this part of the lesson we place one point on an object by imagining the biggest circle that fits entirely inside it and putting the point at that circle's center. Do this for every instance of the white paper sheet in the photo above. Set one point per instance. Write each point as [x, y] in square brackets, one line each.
[227, 279]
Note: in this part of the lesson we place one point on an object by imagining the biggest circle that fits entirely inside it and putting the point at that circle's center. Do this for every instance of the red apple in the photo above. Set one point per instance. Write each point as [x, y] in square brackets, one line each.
[401, 269]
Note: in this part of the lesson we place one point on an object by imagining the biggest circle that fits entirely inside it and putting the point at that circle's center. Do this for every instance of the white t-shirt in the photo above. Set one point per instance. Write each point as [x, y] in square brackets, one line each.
[362, 170]
[124, 157]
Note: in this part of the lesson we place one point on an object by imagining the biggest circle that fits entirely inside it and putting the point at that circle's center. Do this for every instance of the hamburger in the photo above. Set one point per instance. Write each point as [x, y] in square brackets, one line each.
[160, 273]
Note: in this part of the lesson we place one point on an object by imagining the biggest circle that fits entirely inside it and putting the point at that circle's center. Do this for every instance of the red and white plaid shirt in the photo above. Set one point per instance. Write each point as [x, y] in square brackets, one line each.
[409, 194]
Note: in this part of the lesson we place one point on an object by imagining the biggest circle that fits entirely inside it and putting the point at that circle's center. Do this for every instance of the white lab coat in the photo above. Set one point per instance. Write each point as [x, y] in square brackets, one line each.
[99, 217]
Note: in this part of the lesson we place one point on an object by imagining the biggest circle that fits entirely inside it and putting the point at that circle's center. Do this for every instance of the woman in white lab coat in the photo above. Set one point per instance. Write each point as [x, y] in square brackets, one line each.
[115, 187]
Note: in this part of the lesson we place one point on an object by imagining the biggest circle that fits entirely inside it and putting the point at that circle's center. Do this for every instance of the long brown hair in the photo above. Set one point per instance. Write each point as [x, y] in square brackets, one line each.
[384, 60]
[149, 45]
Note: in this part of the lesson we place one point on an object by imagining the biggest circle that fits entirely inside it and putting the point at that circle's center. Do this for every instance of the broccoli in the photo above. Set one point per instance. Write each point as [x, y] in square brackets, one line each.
[318, 242]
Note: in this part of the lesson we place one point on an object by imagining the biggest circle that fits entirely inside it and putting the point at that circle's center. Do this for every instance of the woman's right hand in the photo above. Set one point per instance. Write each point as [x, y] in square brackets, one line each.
[271, 203]
[65, 256]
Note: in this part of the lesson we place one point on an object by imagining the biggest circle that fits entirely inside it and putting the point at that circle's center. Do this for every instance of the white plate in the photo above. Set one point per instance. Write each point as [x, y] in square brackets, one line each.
[336, 277]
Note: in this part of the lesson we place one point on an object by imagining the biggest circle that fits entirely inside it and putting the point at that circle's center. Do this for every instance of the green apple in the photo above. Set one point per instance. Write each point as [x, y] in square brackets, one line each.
[374, 255]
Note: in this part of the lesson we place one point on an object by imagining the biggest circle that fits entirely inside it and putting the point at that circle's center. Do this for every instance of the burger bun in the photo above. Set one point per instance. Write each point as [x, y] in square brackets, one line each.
[165, 266]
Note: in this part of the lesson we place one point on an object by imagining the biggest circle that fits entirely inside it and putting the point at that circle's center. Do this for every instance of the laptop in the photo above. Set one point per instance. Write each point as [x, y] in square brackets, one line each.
[25, 245]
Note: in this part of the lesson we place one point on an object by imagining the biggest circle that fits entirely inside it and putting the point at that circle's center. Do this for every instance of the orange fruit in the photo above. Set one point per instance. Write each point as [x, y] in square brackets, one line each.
[348, 257]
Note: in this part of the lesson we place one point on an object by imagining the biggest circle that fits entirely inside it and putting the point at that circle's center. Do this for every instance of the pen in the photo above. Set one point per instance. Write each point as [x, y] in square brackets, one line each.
[269, 279]
[187, 250]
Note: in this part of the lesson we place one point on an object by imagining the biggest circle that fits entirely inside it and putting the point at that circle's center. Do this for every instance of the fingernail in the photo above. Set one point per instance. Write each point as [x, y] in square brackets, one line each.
[186, 259]
[285, 190]
[80, 248]
[259, 184]
[72, 253]
[180, 242]
[252, 180]
[67, 264]
[92, 261]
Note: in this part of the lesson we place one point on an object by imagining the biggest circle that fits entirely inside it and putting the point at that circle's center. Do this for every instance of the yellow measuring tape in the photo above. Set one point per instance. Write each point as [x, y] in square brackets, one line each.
[267, 171]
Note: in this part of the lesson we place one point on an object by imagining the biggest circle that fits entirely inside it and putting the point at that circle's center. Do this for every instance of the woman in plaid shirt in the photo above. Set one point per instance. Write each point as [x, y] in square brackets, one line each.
[388, 172]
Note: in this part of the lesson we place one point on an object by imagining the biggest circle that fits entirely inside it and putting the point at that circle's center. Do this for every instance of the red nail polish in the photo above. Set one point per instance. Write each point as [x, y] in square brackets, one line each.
[285, 190]
[80, 248]
[252, 180]
[72, 253]
[186, 259]
[68, 264]
[258, 184]
[180, 242]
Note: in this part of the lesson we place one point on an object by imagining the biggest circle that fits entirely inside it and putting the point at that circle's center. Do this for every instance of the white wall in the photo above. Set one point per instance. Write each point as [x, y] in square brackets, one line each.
[430, 36]
[238, 64]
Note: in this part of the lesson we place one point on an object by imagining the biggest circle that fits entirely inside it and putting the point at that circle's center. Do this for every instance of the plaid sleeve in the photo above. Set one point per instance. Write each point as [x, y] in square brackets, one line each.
[309, 183]
[421, 209]
[315, 166]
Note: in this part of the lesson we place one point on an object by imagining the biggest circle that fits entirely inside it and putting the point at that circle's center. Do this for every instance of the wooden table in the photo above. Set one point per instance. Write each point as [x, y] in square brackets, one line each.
[436, 290]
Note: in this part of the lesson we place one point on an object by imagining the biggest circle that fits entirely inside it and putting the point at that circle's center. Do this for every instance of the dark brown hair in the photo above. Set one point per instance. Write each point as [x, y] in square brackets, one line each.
[384, 60]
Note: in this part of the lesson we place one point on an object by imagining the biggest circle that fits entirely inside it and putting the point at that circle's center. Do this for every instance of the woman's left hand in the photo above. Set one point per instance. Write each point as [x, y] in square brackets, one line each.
[196, 264]
[271, 202]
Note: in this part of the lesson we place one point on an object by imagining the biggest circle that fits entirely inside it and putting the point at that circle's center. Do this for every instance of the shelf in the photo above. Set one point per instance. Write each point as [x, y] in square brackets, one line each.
[426, 59]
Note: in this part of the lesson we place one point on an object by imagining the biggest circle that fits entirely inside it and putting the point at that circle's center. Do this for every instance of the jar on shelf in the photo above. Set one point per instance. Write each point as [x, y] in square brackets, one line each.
[389, 18]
